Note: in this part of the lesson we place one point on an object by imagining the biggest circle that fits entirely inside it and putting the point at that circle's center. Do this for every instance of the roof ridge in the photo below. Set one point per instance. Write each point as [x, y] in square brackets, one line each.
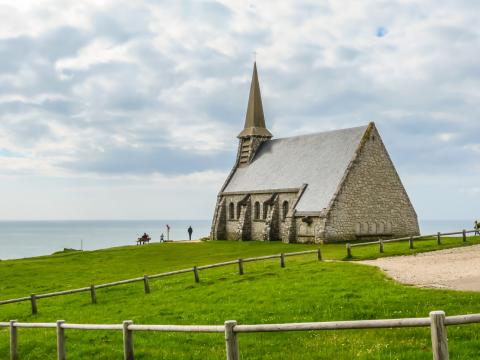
[321, 132]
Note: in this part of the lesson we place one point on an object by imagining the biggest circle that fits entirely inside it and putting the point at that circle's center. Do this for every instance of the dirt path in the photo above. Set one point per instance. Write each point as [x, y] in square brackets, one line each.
[457, 268]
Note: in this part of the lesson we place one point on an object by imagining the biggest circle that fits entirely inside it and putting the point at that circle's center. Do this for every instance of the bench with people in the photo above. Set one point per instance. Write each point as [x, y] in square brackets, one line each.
[144, 239]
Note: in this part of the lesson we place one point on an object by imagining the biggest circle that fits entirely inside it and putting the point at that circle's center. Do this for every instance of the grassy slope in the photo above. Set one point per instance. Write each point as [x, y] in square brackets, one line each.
[304, 291]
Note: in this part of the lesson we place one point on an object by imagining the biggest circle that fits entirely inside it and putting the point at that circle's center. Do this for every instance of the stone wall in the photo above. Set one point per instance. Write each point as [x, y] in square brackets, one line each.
[231, 223]
[258, 224]
[219, 226]
[288, 229]
[309, 229]
[244, 223]
[269, 224]
[271, 229]
[372, 202]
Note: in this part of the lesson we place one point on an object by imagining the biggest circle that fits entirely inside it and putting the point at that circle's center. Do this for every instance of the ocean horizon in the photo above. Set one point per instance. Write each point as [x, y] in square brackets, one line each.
[21, 239]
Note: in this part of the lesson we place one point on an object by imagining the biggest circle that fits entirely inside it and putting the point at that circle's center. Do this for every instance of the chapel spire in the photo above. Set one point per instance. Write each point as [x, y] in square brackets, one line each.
[254, 119]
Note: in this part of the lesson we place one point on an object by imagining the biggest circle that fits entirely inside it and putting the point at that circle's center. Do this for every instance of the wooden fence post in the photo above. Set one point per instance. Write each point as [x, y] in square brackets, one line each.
[381, 245]
[60, 340]
[282, 260]
[146, 284]
[410, 242]
[464, 235]
[13, 341]
[127, 340]
[439, 241]
[240, 266]
[439, 335]
[93, 294]
[33, 300]
[319, 254]
[231, 340]
[195, 273]
[349, 251]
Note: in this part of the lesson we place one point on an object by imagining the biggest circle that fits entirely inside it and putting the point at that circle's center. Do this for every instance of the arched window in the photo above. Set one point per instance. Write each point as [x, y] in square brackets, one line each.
[239, 210]
[364, 228]
[381, 228]
[231, 211]
[256, 211]
[388, 227]
[358, 228]
[284, 209]
[265, 211]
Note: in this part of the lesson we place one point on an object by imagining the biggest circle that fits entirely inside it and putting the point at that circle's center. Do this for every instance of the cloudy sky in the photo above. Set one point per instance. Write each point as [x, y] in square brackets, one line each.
[130, 109]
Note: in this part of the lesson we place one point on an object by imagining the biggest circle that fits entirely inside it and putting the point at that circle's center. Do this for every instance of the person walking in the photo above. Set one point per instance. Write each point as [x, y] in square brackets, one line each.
[190, 231]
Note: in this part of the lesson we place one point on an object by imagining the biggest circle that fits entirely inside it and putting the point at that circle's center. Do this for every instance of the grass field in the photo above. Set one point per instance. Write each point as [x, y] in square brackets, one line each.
[306, 290]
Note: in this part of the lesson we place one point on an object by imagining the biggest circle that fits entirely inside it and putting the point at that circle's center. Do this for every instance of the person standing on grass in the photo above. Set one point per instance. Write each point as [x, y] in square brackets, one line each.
[476, 227]
[190, 231]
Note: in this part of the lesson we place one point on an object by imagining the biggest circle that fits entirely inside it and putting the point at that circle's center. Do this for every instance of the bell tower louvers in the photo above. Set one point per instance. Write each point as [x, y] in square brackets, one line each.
[254, 131]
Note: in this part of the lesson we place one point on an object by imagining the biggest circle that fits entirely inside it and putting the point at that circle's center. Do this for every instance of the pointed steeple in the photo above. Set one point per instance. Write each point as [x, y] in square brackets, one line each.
[255, 120]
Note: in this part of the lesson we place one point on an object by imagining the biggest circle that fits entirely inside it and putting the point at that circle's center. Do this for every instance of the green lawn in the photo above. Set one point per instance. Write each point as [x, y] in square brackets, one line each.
[306, 290]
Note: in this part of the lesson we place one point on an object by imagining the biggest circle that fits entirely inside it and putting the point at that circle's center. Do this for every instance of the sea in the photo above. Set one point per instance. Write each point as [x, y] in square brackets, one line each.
[21, 239]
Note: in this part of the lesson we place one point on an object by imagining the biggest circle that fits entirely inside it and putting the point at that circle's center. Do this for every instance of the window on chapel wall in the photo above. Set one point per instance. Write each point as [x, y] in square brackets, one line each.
[239, 210]
[284, 209]
[256, 211]
[265, 211]
[231, 211]
[381, 228]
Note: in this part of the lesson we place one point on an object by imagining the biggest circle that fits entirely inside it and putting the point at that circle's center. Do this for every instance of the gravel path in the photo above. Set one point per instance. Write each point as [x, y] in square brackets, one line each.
[457, 268]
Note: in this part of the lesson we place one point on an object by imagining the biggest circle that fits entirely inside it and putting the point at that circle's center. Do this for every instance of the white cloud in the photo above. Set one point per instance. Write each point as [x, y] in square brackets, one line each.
[473, 147]
[32, 17]
[446, 137]
[111, 88]
[100, 51]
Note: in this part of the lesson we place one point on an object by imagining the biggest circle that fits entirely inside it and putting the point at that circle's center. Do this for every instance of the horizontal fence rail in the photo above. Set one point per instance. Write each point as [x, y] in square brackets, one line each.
[410, 240]
[146, 278]
[437, 321]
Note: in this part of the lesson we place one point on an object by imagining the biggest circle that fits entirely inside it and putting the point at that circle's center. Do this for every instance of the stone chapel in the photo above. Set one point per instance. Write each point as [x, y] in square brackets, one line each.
[323, 187]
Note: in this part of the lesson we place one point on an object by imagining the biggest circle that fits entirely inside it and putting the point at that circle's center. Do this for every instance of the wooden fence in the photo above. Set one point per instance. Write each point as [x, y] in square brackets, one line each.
[437, 323]
[146, 278]
[410, 240]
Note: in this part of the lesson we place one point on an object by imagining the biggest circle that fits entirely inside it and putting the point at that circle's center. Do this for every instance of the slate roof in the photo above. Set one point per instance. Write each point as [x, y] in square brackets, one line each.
[319, 160]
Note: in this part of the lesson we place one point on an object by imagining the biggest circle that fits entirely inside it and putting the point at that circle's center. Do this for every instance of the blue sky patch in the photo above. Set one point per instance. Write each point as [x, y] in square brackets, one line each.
[381, 31]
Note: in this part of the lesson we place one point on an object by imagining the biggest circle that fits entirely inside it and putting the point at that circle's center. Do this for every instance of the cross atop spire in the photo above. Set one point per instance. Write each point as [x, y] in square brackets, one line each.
[255, 120]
